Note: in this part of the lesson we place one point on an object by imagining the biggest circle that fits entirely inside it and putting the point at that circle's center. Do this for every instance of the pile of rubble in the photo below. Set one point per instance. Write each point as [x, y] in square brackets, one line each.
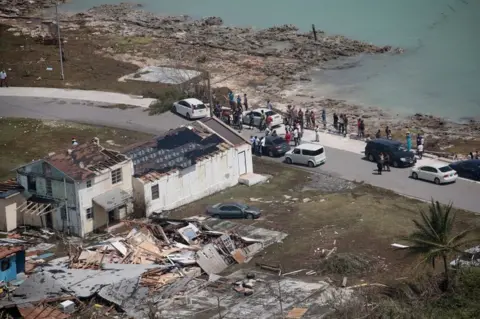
[176, 244]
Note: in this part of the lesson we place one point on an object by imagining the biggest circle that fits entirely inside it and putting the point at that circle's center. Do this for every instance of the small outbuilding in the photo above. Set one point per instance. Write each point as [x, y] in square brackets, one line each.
[12, 262]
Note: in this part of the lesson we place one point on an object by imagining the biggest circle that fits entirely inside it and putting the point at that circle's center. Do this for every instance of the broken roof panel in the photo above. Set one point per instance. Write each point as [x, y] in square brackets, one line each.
[84, 160]
[224, 131]
[177, 149]
[6, 251]
[29, 311]
[112, 199]
[9, 187]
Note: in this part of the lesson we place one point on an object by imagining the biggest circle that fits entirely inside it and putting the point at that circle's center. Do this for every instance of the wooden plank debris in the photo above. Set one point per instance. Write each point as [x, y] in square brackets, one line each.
[296, 313]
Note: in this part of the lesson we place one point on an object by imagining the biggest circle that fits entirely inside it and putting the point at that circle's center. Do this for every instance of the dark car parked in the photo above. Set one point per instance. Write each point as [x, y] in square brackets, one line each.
[233, 211]
[469, 169]
[275, 146]
[399, 156]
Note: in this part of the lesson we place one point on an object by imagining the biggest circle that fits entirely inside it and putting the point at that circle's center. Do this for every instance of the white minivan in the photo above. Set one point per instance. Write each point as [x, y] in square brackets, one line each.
[307, 154]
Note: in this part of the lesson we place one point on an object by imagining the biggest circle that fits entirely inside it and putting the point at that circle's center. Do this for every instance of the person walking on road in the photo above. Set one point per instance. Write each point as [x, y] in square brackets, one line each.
[245, 101]
[362, 129]
[386, 162]
[252, 118]
[288, 137]
[380, 164]
[239, 102]
[3, 79]
[420, 151]
[296, 135]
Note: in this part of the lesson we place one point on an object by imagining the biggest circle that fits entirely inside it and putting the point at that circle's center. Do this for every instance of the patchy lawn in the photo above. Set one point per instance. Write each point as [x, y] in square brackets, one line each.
[27, 60]
[23, 140]
[321, 212]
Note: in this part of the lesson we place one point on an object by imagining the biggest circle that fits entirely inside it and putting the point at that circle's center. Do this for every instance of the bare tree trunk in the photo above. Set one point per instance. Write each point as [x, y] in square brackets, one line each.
[445, 266]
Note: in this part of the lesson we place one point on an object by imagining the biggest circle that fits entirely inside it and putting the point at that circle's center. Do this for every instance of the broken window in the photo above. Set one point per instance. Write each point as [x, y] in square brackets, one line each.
[89, 183]
[155, 192]
[90, 213]
[32, 183]
[5, 264]
[49, 187]
[63, 213]
[116, 176]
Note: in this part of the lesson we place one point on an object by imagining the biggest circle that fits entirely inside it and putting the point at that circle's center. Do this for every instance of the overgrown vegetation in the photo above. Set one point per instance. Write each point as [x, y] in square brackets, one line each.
[165, 100]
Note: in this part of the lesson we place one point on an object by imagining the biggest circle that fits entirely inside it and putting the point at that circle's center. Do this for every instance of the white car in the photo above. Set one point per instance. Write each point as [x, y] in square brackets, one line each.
[437, 173]
[191, 108]
[306, 154]
[257, 115]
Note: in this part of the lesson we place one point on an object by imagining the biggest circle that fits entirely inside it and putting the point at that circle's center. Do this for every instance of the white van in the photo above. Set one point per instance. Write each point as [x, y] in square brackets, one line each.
[306, 154]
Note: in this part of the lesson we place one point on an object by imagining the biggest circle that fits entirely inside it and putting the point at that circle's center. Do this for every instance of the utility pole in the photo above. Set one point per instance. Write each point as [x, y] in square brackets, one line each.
[210, 100]
[59, 40]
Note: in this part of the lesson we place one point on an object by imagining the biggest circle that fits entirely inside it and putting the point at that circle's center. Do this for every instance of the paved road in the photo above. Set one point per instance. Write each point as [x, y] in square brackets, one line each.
[339, 163]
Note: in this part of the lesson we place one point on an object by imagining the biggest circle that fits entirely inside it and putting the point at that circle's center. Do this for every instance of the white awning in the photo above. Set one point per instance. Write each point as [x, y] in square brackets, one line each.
[112, 199]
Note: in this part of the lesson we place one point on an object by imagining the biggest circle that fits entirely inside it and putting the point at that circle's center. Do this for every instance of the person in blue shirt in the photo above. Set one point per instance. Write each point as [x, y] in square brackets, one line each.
[409, 142]
[231, 98]
[239, 102]
[324, 119]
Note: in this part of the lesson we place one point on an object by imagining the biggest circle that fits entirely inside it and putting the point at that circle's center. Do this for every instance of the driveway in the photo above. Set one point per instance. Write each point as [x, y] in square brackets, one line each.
[339, 163]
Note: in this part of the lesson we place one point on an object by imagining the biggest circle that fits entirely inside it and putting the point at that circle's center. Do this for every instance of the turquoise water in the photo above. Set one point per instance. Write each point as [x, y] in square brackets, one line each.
[438, 74]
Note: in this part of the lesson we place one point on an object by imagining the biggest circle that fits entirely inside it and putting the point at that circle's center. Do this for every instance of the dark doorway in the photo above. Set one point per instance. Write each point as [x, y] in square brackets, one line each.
[49, 220]
[111, 216]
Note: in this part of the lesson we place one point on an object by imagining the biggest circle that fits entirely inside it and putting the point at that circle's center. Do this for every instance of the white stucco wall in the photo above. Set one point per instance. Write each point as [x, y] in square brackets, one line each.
[179, 188]
[247, 148]
[100, 185]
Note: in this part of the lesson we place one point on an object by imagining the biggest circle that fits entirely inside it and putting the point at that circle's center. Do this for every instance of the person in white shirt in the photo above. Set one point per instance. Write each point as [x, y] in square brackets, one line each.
[295, 136]
[317, 134]
[420, 151]
[3, 79]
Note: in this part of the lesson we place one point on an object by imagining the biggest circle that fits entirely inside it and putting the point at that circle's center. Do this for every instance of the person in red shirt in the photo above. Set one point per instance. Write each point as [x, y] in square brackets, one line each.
[269, 121]
[288, 137]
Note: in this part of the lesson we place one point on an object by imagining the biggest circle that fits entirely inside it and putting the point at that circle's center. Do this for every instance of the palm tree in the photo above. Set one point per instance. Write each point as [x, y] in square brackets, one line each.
[433, 236]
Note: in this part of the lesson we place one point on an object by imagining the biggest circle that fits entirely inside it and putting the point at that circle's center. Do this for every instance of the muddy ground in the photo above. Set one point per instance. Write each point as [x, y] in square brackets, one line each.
[320, 212]
[108, 42]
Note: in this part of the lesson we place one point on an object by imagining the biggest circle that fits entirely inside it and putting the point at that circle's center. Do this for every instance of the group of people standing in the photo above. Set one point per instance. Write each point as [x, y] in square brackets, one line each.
[383, 163]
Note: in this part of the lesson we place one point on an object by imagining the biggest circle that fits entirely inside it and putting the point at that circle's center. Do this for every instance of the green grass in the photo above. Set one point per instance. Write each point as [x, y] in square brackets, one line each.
[24, 140]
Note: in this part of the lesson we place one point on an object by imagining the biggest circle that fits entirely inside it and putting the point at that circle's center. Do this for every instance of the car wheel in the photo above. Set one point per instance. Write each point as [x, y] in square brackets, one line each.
[310, 164]
[414, 175]
[436, 180]
[288, 160]
[216, 216]
[188, 116]
[371, 158]
[270, 153]
[249, 216]
[395, 164]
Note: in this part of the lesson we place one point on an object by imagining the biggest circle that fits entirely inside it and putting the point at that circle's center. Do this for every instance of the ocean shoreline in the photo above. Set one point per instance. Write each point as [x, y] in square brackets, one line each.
[266, 73]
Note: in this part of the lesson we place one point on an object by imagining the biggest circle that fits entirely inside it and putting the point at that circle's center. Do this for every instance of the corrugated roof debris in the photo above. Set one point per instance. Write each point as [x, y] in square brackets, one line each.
[176, 150]
[9, 187]
[85, 160]
[6, 251]
[41, 312]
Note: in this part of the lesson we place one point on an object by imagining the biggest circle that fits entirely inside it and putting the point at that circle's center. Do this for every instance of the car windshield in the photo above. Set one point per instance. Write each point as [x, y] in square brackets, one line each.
[270, 113]
[278, 141]
[445, 169]
[199, 106]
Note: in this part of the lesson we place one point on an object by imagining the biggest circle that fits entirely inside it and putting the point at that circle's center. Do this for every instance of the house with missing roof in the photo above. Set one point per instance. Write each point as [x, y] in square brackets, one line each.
[186, 164]
[11, 196]
[76, 191]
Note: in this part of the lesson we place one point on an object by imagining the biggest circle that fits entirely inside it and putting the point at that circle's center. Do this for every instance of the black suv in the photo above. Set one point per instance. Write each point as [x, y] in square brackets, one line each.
[399, 156]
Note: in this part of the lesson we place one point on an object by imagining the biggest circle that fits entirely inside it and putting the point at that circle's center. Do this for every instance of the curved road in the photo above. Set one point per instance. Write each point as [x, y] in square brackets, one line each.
[348, 165]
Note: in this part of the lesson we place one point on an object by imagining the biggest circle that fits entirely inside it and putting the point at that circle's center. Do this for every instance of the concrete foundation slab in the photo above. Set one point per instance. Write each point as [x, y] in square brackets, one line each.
[165, 75]
[251, 179]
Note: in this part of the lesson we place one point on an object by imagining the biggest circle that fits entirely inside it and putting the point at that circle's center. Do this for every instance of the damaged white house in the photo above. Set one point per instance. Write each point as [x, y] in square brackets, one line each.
[187, 164]
[76, 191]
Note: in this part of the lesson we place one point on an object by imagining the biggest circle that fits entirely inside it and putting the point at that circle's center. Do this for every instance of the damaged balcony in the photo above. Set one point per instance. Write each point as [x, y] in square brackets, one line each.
[37, 211]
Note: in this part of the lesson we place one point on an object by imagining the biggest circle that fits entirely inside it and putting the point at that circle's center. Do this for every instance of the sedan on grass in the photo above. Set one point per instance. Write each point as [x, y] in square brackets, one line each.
[233, 211]
[437, 173]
